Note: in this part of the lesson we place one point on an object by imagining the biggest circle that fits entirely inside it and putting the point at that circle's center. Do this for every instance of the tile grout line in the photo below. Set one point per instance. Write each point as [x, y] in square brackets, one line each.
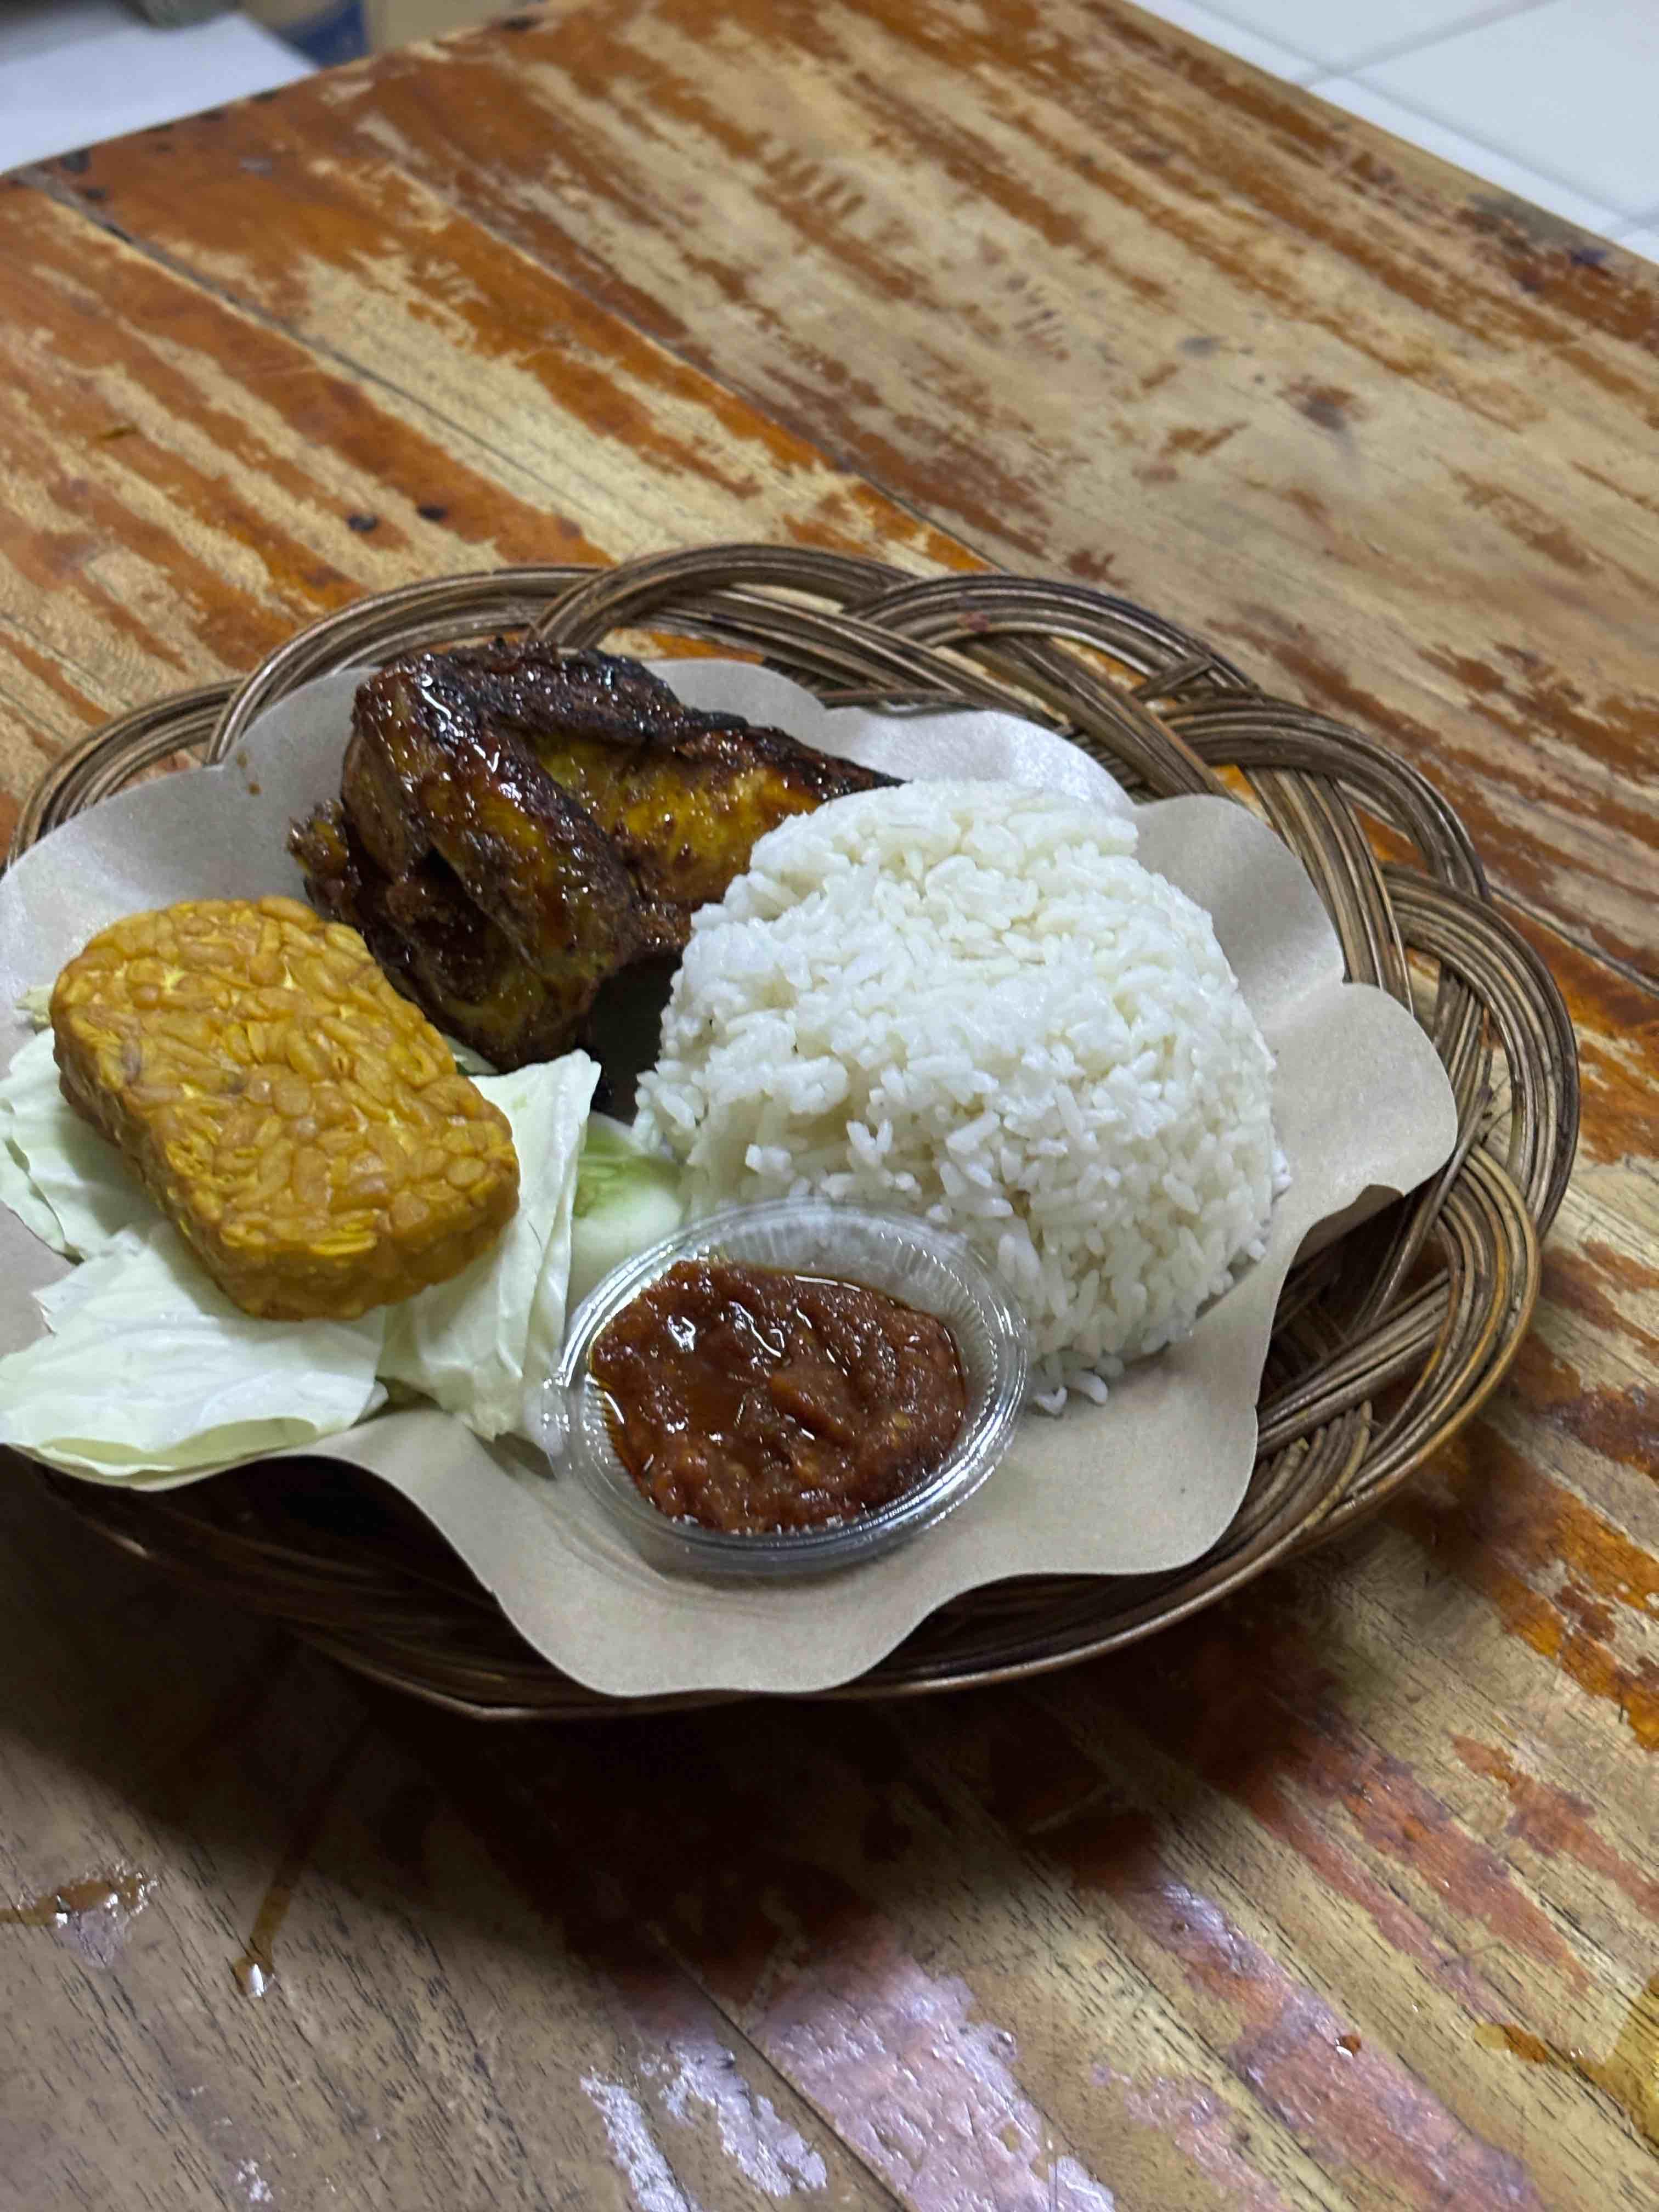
[1476, 145]
[1354, 71]
[1217, 20]
[1506, 11]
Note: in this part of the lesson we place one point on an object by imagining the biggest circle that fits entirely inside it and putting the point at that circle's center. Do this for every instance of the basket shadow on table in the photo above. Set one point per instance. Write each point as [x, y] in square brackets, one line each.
[716, 1842]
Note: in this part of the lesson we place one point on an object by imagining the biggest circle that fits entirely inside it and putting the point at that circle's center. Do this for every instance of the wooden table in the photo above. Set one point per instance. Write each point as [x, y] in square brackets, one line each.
[1345, 1895]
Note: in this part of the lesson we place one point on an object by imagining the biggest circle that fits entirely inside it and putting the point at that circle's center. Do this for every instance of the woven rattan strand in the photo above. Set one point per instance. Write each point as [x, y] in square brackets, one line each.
[1384, 1346]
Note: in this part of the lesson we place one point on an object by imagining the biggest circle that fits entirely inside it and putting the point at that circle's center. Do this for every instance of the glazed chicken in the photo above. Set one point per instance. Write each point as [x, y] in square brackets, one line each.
[517, 826]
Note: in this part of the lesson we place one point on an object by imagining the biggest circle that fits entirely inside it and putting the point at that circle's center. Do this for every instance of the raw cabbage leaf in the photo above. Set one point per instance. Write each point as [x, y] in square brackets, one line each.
[476, 1343]
[627, 1198]
[149, 1369]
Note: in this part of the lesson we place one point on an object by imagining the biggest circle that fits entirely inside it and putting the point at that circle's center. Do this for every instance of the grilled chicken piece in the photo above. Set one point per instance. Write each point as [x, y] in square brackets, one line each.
[434, 944]
[515, 826]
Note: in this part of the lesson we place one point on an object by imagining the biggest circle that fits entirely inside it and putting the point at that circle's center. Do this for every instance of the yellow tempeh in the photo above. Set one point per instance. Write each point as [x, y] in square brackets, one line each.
[302, 1124]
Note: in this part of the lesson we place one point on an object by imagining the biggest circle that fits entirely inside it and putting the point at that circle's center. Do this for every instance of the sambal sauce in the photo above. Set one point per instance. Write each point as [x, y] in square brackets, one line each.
[750, 1399]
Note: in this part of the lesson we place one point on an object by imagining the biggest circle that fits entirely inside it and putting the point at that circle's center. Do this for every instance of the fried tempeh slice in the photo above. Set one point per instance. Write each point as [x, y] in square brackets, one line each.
[302, 1126]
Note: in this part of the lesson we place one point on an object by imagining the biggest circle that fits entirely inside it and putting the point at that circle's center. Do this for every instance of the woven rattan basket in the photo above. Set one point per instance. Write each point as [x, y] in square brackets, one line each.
[1384, 1346]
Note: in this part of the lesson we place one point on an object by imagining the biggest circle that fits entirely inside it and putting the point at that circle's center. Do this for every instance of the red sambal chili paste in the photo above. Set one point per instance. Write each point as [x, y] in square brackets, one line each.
[751, 1399]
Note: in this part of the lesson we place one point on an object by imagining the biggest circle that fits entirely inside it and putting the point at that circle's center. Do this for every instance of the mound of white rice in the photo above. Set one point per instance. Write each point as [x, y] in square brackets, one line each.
[968, 1000]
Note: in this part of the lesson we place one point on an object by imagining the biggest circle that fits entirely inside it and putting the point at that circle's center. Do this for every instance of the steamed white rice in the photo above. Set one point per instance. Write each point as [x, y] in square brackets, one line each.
[970, 1001]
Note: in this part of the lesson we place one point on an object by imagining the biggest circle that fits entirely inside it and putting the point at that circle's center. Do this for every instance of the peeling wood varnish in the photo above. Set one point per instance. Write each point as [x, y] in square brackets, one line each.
[1445, 373]
[1343, 1896]
[232, 510]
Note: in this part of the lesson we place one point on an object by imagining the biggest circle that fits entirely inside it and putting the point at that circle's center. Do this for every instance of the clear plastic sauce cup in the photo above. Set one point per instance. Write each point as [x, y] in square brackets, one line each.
[910, 1260]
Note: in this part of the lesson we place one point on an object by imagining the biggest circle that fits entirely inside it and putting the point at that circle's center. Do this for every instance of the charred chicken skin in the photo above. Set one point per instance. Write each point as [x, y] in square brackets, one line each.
[516, 825]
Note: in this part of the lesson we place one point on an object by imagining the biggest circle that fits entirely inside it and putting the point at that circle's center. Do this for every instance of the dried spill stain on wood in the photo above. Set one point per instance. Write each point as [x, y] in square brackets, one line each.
[1629, 2074]
[254, 1968]
[70, 1901]
[93, 1914]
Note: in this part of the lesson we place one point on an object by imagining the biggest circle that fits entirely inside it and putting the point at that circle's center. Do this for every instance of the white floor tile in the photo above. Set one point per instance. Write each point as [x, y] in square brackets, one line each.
[1483, 161]
[79, 70]
[1644, 242]
[1343, 34]
[1234, 37]
[1567, 89]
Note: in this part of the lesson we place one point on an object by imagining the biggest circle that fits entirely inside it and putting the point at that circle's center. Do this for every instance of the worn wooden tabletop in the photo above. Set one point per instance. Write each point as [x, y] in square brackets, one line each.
[1344, 1895]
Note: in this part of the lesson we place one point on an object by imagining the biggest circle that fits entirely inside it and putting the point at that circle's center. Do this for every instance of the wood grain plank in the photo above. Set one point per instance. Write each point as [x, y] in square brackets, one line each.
[432, 2032]
[1577, 1279]
[1344, 1896]
[924, 1921]
[179, 504]
[1107, 303]
[965, 1941]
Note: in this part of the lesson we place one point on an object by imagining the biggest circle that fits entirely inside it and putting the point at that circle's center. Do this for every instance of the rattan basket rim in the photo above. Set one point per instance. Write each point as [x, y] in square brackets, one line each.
[1384, 1347]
